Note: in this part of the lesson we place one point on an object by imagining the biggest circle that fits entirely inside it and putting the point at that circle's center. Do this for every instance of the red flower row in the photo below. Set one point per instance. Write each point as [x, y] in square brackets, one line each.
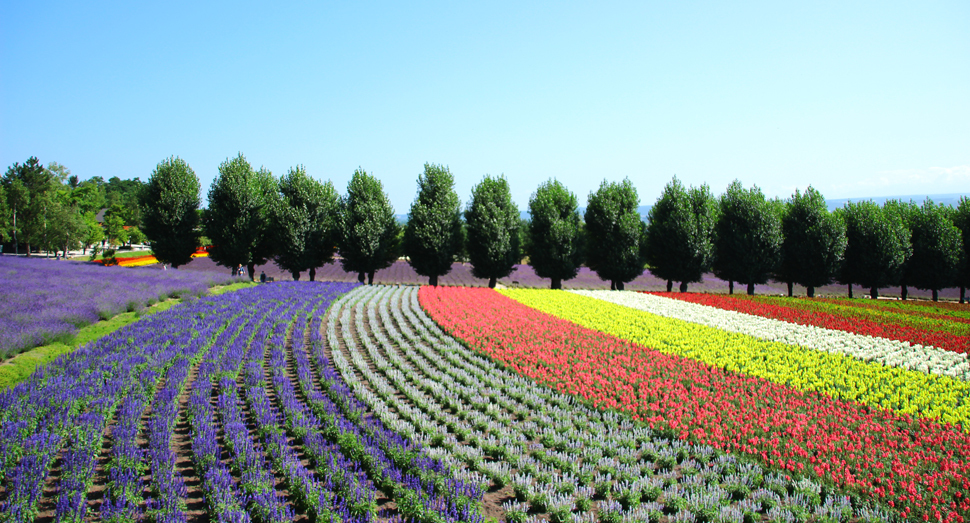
[916, 465]
[856, 325]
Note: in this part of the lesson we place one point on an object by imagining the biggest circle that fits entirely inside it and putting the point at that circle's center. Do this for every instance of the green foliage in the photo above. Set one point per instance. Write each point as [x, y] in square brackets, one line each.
[237, 220]
[123, 195]
[304, 221]
[92, 233]
[30, 191]
[555, 233]
[114, 228]
[169, 204]
[937, 245]
[877, 246]
[492, 224]
[961, 219]
[615, 233]
[747, 236]
[433, 235]
[679, 244]
[814, 241]
[368, 229]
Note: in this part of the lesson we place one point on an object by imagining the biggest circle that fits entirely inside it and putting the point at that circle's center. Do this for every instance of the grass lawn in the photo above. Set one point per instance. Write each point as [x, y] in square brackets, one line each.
[16, 369]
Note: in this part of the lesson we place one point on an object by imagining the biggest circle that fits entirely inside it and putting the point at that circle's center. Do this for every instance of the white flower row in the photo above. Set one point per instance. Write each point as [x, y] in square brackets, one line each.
[893, 353]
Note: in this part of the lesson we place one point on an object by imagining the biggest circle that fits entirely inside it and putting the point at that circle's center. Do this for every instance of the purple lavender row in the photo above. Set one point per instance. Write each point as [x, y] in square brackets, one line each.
[257, 481]
[124, 494]
[219, 491]
[424, 487]
[168, 491]
[344, 477]
[309, 494]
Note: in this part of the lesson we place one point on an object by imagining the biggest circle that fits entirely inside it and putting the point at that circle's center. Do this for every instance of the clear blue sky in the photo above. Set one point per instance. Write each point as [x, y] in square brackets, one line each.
[855, 98]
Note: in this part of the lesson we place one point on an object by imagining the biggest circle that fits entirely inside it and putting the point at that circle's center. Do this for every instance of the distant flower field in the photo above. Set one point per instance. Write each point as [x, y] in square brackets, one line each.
[43, 300]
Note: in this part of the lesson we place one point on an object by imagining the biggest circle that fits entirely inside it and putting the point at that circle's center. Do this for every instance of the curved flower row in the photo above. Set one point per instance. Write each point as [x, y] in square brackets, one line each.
[918, 466]
[890, 353]
[803, 312]
[559, 456]
[940, 398]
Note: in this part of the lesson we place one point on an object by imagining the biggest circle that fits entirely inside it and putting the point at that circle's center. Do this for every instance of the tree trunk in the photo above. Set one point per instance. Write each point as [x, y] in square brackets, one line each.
[360, 277]
[874, 293]
[936, 295]
[251, 268]
[750, 289]
[433, 280]
[683, 286]
[313, 274]
[791, 289]
[811, 291]
[296, 275]
[370, 278]
[850, 291]
[612, 285]
[903, 292]
[557, 283]
[731, 287]
[670, 285]
[28, 249]
[963, 294]
[491, 282]
[619, 286]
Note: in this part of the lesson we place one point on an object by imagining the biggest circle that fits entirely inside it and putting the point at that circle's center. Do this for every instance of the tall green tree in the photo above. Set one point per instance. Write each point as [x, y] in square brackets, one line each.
[961, 219]
[937, 245]
[555, 233]
[30, 191]
[369, 231]
[169, 205]
[615, 233]
[747, 236]
[433, 235]
[877, 246]
[814, 242]
[907, 214]
[305, 223]
[679, 238]
[238, 218]
[492, 224]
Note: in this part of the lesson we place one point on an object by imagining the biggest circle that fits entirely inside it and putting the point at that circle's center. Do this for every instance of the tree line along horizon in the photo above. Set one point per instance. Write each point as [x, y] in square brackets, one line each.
[302, 223]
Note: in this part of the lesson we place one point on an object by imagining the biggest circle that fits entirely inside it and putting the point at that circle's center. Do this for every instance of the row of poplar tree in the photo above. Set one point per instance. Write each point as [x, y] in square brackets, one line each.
[302, 223]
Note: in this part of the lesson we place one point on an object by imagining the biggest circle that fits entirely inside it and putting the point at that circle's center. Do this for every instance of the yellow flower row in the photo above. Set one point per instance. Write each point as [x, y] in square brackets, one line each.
[842, 377]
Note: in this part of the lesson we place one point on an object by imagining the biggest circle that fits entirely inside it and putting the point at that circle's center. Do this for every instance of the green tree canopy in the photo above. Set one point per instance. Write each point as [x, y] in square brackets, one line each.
[615, 233]
[877, 246]
[369, 231]
[555, 233]
[169, 219]
[433, 234]
[937, 245]
[304, 222]
[747, 237]
[814, 242]
[906, 213]
[237, 220]
[961, 219]
[679, 244]
[492, 225]
[30, 189]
